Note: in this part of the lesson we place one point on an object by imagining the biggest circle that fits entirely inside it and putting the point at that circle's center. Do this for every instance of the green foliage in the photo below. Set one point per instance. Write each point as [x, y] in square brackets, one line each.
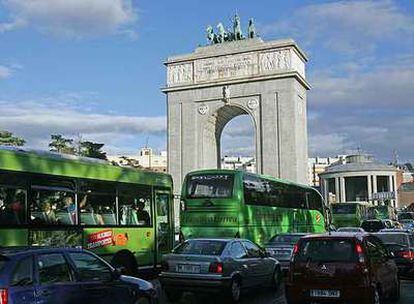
[91, 149]
[7, 139]
[60, 144]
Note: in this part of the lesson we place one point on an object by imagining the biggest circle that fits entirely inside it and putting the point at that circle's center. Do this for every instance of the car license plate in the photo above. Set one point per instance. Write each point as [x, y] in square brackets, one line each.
[188, 268]
[322, 293]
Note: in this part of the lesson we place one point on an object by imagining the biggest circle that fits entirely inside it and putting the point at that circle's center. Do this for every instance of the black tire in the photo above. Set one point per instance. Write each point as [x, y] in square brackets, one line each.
[276, 279]
[396, 294]
[234, 292]
[124, 258]
[173, 295]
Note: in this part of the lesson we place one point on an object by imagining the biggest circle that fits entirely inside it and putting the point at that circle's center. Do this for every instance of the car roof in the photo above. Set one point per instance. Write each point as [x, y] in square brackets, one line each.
[24, 250]
[336, 235]
[390, 230]
[217, 239]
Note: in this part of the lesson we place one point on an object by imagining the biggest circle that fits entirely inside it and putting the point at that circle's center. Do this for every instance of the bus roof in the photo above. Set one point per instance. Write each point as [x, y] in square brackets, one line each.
[268, 177]
[41, 162]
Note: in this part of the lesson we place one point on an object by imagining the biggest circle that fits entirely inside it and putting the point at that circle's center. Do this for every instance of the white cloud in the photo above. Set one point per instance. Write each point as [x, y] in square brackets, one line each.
[347, 26]
[37, 120]
[5, 72]
[72, 19]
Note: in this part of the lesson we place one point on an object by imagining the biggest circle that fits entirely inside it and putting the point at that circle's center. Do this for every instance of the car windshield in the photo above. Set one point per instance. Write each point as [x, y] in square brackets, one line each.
[344, 208]
[289, 239]
[396, 238]
[406, 216]
[210, 186]
[327, 250]
[201, 247]
[372, 225]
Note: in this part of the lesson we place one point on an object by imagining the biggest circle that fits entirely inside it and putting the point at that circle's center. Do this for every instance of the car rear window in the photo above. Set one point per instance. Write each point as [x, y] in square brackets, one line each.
[289, 239]
[201, 247]
[327, 250]
[396, 238]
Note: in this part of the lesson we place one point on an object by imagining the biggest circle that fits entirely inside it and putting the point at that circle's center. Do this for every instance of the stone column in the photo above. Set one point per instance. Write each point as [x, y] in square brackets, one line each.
[369, 187]
[325, 190]
[337, 190]
[394, 182]
[343, 190]
[374, 186]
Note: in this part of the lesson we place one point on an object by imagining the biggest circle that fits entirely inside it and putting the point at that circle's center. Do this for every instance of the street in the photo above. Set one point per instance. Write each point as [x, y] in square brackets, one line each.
[267, 296]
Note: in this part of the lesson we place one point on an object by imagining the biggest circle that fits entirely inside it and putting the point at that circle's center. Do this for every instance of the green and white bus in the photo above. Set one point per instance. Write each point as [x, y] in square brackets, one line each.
[226, 203]
[122, 214]
[351, 214]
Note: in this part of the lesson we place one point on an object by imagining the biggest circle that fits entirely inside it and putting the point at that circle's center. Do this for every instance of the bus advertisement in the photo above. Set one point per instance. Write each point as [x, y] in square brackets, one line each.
[49, 199]
[226, 203]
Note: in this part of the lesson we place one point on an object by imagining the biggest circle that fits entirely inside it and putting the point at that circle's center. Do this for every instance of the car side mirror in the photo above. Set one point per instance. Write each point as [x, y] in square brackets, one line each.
[118, 272]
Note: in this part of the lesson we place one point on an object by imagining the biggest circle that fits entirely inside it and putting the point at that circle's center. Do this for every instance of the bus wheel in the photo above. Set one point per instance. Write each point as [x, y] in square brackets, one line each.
[124, 258]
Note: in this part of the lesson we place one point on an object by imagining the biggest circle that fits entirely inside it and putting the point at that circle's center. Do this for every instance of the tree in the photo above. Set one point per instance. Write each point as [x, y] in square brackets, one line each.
[60, 144]
[130, 162]
[91, 149]
[7, 139]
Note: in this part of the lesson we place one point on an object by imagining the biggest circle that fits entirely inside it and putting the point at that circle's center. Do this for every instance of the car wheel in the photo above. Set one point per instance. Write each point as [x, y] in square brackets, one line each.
[395, 296]
[235, 291]
[125, 258]
[173, 295]
[276, 279]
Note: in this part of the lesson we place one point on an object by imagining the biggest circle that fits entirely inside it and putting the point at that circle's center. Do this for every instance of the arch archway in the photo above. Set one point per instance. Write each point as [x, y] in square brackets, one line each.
[213, 130]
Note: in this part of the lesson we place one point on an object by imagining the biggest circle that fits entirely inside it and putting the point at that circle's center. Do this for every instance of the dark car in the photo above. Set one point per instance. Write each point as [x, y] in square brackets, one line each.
[375, 225]
[343, 268]
[401, 244]
[281, 247]
[222, 266]
[66, 276]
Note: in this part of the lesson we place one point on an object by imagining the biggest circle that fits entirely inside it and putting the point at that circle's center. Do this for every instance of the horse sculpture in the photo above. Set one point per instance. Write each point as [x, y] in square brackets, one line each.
[238, 35]
[211, 36]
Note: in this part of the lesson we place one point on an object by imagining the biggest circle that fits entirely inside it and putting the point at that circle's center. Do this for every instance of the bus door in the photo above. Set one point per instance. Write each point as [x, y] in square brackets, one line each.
[163, 223]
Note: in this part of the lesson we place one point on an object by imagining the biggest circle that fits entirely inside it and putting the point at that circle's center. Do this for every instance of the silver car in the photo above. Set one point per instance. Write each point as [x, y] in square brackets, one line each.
[217, 265]
[281, 247]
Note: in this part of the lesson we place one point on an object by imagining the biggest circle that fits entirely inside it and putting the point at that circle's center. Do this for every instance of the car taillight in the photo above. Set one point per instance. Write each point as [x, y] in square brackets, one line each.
[296, 249]
[216, 267]
[406, 254]
[4, 296]
[360, 252]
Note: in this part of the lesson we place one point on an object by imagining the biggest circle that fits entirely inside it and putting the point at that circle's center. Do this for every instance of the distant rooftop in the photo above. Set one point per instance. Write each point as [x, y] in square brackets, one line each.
[359, 162]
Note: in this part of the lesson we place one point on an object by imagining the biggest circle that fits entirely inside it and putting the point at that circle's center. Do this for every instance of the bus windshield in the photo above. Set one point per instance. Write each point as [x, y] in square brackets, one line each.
[344, 208]
[210, 186]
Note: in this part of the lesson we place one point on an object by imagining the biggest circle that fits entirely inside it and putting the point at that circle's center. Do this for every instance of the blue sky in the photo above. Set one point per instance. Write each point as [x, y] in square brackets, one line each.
[94, 67]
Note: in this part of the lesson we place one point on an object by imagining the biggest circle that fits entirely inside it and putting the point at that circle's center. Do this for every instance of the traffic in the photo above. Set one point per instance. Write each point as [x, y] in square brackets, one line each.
[76, 230]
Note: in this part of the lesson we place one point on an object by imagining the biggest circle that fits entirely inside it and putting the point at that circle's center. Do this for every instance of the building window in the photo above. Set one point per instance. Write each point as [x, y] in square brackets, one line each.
[356, 188]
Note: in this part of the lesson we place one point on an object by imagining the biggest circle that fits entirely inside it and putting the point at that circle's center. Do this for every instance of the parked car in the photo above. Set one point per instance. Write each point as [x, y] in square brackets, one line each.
[351, 229]
[223, 266]
[375, 225]
[405, 216]
[281, 247]
[66, 276]
[341, 267]
[401, 244]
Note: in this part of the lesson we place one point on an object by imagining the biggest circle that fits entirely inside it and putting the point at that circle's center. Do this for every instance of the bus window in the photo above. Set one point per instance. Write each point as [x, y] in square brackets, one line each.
[52, 202]
[255, 190]
[12, 206]
[210, 186]
[97, 203]
[341, 208]
[134, 206]
[315, 201]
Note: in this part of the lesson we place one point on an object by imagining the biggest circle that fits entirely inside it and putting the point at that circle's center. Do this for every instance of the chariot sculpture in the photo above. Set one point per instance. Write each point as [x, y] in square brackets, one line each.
[224, 35]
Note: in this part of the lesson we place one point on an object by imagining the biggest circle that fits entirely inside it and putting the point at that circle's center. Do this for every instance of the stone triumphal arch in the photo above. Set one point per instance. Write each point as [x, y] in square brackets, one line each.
[215, 83]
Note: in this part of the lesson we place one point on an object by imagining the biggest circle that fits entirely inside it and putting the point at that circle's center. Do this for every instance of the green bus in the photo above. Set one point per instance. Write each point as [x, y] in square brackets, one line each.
[227, 203]
[49, 199]
[350, 214]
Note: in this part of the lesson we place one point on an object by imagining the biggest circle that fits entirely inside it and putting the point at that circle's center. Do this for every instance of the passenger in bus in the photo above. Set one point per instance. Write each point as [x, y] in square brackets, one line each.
[143, 216]
[48, 212]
